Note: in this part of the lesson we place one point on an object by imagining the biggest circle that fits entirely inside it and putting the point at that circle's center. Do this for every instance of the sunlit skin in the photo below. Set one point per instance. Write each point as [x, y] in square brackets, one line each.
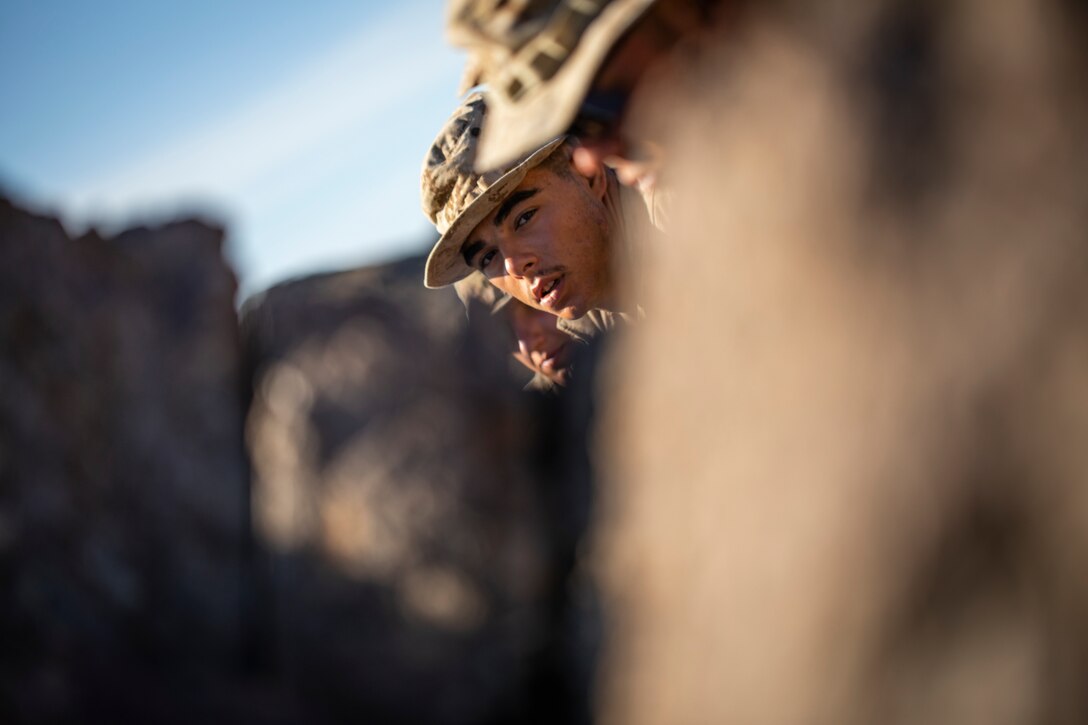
[548, 245]
[542, 347]
[620, 75]
[637, 169]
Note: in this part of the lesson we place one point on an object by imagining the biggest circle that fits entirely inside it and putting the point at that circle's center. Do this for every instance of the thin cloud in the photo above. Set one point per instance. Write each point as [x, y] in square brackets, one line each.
[231, 157]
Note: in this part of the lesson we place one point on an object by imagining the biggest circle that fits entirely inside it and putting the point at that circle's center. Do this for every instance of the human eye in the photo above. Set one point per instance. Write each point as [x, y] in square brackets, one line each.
[486, 258]
[524, 218]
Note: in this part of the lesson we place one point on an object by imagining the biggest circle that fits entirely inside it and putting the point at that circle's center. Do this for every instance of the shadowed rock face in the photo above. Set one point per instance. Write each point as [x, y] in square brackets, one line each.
[122, 503]
[411, 572]
[398, 551]
[848, 474]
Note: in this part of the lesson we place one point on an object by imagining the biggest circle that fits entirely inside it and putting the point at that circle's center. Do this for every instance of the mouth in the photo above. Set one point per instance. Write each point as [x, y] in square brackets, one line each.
[555, 367]
[547, 292]
[550, 361]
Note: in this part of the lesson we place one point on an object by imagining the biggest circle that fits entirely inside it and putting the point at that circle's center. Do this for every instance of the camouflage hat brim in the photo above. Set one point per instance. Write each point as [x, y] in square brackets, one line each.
[476, 289]
[551, 107]
[445, 265]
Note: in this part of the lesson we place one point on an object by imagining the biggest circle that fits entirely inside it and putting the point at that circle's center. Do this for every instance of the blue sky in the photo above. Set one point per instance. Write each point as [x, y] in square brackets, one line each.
[300, 126]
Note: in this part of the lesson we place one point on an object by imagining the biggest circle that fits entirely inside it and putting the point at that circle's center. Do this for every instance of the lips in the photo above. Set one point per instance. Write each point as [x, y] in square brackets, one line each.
[546, 291]
[551, 359]
[546, 360]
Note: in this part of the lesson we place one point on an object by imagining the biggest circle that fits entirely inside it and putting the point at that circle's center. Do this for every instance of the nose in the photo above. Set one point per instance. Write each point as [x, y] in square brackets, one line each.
[520, 263]
[532, 337]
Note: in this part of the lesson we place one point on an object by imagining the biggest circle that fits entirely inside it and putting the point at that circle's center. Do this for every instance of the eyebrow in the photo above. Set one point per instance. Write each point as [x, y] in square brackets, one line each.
[469, 251]
[511, 201]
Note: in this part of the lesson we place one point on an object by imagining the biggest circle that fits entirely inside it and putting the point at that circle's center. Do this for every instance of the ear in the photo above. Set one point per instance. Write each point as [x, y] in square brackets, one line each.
[589, 166]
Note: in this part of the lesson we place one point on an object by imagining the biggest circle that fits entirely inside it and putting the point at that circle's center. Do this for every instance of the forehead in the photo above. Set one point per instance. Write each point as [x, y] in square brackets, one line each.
[539, 179]
[545, 181]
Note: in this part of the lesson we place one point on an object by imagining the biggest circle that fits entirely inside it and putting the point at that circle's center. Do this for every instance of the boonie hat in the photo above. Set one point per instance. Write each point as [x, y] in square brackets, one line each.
[538, 59]
[455, 197]
[476, 289]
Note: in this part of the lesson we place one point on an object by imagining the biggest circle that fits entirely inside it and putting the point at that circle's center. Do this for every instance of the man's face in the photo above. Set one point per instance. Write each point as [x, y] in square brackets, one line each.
[548, 244]
[640, 61]
[542, 347]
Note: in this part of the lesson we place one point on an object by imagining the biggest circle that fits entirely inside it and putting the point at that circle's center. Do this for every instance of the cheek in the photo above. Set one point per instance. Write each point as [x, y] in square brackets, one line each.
[504, 284]
[533, 339]
[512, 288]
[544, 240]
[590, 254]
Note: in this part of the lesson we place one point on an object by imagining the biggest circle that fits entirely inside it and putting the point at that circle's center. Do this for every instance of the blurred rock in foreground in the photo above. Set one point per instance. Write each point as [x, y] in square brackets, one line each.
[850, 471]
[122, 473]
